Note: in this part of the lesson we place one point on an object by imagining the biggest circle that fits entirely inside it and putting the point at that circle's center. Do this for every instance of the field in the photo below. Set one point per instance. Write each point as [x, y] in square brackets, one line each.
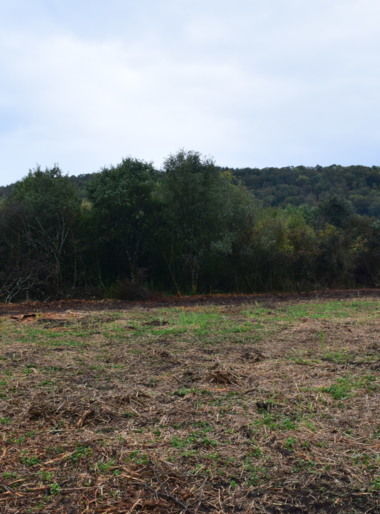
[251, 406]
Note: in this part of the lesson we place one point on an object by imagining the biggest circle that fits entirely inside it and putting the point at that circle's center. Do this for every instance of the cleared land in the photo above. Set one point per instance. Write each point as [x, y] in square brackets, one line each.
[247, 407]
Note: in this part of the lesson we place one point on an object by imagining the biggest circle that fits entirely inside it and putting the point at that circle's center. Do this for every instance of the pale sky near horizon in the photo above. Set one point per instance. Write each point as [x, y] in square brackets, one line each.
[253, 83]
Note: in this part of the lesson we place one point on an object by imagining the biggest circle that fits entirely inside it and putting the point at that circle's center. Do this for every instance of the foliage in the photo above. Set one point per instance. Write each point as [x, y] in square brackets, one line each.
[193, 227]
[122, 215]
[37, 241]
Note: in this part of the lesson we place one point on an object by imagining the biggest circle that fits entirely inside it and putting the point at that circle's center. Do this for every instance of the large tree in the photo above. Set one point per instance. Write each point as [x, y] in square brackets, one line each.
[37, 242]
[203, 211]
[123, 214]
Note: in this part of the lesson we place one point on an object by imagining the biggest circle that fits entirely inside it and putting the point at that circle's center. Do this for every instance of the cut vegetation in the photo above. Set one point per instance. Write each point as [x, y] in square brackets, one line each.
[248, 407]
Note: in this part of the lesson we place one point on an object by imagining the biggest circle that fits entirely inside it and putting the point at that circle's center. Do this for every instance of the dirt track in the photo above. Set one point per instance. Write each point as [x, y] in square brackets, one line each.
[166, 301]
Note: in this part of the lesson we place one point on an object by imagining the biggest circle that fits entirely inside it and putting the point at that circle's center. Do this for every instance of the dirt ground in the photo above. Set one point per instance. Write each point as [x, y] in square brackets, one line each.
[170, 301]
[264, 404]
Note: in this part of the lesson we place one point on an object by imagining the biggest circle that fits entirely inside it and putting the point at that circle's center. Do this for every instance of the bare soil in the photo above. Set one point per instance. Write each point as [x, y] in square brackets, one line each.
[176, 300]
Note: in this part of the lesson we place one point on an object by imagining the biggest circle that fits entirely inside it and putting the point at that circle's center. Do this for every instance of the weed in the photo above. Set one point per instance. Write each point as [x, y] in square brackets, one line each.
[256, 452]
[81, 452]
[304, 362]
[46, 383]
[304, 465]
[29, 461]
[255, 474]
[337, 357]
[276, 422]
[46, 476]
[54, 488]
[188, 453]
[105, 467]
[8, 475]
[184, 391]
[290, 443]
[344, 387]
[196, 438]
[139, 457]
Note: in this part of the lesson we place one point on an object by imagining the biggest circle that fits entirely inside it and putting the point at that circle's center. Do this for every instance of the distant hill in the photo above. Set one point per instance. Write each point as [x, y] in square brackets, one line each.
[278, 187]
[298, 185]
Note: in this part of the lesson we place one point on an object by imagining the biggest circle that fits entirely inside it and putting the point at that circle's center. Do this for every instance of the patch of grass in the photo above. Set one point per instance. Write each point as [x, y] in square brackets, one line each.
[254, 474]
[333, 309]
[29, 460]
[197, 438]
[345, 387]
[276, 422]
[46, 476]
[81, 452]
[290, 443]
[9, 475]
[337, 357]
[304, 362]
[184, 391]
[139, 457]
[106, 467]
[55, 488]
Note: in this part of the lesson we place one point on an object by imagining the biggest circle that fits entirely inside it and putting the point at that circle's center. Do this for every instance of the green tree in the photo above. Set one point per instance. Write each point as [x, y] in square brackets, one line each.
[123, 215]
[38, 222]
[201, 210]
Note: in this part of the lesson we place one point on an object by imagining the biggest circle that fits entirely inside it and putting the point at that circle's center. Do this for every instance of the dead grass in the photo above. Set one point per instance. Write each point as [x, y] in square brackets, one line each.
[219, 408]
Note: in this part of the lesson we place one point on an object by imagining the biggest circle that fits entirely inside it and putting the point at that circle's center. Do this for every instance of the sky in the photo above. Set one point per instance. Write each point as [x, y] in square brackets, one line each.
[249, 83]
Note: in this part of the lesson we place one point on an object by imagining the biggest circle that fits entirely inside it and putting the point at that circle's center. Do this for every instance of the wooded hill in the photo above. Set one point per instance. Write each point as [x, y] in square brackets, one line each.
[293, 185]
[300, 185]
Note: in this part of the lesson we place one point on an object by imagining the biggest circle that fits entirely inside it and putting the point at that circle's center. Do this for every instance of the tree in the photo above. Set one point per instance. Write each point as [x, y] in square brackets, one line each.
[201, 209]
[123, 214]
[336, 211]
[38, 221]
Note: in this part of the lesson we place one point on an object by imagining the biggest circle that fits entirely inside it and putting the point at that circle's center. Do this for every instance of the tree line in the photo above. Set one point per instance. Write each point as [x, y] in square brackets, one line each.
[191, 227]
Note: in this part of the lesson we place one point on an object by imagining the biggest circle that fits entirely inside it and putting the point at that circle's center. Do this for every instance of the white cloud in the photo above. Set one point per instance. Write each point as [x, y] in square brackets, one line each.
[252, 83]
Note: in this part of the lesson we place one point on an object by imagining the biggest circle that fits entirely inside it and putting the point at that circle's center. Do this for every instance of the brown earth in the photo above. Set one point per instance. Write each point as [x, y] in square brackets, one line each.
[167, 301]
[213, 404]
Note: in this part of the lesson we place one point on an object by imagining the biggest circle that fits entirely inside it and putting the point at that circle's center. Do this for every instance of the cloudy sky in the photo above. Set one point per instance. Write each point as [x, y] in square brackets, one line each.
[84, 83]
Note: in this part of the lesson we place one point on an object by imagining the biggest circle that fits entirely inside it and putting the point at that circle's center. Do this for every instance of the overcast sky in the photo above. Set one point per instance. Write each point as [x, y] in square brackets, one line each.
[84, 83]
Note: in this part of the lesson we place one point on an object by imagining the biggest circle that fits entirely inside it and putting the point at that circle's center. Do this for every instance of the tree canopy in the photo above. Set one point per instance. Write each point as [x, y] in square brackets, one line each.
[190, 227]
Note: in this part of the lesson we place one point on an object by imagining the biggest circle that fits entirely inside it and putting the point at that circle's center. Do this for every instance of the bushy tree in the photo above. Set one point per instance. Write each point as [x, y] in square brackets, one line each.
[38, 223]
[201, 211]
[123, 215]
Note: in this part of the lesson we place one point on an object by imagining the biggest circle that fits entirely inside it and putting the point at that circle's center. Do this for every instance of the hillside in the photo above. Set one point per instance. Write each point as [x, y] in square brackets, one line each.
[278, 187]
[299, 185]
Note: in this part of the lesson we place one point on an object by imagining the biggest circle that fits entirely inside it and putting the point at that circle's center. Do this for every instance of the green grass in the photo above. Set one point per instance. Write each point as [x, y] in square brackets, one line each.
[81, 452]
[345, 387]
[335, 309]
[276, 422]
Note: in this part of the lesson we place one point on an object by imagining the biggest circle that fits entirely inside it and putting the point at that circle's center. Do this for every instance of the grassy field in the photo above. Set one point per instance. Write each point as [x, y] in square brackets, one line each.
[258, 407]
